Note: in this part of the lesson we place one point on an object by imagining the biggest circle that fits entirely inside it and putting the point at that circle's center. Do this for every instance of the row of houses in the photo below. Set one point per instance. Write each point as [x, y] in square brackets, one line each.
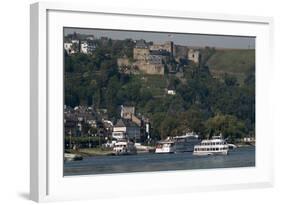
[82, 121]
[85, 121]
[79, 46]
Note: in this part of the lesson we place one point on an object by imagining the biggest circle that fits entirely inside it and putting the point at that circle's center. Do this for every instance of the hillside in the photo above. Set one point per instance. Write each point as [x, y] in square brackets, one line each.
[233, 62]
[200, 102]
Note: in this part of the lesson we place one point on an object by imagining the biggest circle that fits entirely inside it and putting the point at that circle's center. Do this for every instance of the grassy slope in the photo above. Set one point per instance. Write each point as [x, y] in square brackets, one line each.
[155, 83]
[235, 62]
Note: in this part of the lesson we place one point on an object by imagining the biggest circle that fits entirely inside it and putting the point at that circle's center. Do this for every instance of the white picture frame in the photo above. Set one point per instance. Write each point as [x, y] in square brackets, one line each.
[46, 174]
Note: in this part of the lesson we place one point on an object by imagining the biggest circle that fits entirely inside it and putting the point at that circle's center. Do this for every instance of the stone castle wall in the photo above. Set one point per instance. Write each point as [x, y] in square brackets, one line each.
[167, 46]
[152, 69]
[141, 54]
[123, 62]
[145, 61]
[193, 56]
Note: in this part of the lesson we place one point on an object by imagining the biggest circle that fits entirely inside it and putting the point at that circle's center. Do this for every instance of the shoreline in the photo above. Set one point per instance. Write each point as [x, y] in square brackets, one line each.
[245, 145]
[89, 152]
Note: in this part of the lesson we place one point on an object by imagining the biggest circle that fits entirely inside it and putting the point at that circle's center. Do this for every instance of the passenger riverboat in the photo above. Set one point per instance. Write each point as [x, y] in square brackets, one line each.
[215, 146]
[183, 143]
[124, 148]
[165, 146]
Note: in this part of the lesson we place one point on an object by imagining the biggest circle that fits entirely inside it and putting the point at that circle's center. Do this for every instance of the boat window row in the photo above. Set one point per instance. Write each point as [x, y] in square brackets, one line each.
[210, 149]
[123, 145]
[213, 143]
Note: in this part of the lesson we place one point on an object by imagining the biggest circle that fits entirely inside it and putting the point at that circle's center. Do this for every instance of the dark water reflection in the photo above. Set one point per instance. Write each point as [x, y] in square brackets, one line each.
[240, 157]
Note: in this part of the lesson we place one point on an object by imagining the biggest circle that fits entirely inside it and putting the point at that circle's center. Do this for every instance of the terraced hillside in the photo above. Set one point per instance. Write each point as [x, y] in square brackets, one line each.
[233, 62]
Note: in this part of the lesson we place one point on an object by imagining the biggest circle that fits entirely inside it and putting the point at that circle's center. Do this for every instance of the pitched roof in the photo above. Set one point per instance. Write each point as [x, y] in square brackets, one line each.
[125, 123]
[141, 44]
[120, 123]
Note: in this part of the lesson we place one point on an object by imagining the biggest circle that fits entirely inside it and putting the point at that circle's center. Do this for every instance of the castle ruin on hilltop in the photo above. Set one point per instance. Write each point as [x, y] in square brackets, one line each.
[151, 58]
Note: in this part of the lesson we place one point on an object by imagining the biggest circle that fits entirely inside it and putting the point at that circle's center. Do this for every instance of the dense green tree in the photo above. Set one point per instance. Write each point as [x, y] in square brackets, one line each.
[230, 80]
[227, 125]
[156, 120]
[168, 126]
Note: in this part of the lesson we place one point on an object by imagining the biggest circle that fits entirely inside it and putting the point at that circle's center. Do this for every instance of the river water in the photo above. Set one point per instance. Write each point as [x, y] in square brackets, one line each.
[148, 162]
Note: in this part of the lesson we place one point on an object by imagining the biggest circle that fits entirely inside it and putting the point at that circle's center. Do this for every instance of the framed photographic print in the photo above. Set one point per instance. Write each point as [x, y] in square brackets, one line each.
[151, 101]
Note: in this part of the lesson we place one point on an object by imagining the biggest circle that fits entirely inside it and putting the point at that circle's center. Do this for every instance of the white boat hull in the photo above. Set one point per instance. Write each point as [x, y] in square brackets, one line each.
[204, 153]
[125, 153]
[164, 150]
[72, 157]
